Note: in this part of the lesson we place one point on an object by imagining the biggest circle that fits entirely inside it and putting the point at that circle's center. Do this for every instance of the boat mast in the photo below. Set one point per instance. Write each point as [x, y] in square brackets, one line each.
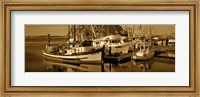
[115, 29]
[126, 27]
[68, 35]
[94, 34]
[141, 32]
[74, 35]
[150, 32]
[133, 29]
[81, 33]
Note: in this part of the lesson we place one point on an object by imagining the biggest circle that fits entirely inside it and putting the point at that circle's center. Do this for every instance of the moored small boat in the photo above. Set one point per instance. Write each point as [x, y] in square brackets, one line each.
[144, 51]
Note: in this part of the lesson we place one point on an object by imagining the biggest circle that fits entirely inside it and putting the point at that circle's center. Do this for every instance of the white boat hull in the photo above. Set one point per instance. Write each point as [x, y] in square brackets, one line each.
[120, 49]
[144, 57]
[96, 56]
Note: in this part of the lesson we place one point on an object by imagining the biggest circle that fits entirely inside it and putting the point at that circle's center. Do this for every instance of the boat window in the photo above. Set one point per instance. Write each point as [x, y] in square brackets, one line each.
[126, 40]
[114, 41]
[86, 43]
[142, 47]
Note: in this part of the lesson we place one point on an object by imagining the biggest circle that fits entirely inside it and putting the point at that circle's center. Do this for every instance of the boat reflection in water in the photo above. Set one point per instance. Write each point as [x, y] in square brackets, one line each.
[131, 66]
[128, 65]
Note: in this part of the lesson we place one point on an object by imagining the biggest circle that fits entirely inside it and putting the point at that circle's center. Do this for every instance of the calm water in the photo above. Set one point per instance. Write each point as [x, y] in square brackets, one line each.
[34, 61]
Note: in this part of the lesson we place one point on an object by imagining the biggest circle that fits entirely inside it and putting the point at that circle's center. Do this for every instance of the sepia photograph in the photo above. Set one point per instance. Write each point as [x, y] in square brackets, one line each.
[80, 48]
[100, 48]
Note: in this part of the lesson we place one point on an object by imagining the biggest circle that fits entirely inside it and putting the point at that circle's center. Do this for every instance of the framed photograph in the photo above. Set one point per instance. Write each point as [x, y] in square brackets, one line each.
[125, 47]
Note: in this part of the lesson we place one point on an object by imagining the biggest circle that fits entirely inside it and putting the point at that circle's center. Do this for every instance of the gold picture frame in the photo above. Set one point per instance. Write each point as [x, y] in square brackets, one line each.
[119, 5]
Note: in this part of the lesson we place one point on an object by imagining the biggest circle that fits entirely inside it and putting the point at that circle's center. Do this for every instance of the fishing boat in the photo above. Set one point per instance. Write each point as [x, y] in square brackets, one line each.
[114, 44]
[144, 51]
[73, 51]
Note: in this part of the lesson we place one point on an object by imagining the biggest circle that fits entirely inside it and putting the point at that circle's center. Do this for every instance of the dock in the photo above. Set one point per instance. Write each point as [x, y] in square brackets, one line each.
[163, 49]
[117, 59]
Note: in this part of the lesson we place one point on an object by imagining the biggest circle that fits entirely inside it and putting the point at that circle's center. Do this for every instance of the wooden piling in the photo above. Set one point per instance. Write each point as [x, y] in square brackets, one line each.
[110, 66]
[49, 39]
[102, 67]
[102, 58]
[110, 55]
[110, 51]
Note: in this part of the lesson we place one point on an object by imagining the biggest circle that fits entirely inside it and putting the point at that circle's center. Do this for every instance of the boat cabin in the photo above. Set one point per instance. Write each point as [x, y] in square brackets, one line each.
[125, 39]
[143, 46]
[75, 48]
[171, 42]
[107, 41]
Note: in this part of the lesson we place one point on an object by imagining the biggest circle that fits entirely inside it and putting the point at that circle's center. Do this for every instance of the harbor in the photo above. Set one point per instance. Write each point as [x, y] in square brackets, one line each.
[114, 52]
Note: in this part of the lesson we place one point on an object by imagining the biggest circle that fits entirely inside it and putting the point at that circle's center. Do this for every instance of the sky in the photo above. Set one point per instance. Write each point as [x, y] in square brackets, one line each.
[61, 30]
[38, 30]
